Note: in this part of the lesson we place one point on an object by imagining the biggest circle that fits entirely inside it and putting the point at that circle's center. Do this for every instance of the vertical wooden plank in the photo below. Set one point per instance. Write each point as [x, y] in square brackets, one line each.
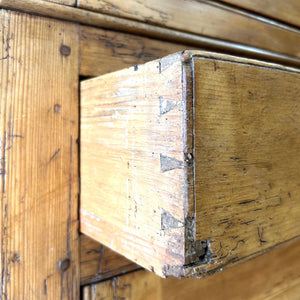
[39, 158]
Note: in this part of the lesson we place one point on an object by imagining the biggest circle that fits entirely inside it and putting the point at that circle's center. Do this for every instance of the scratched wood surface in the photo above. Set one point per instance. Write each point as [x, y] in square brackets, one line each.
[247, 141]
[286, 11]
[204, 18]
[276, 37]
[243, 156]
[104, 51]
[98, 262]
[39, 159]
[97, 48]
[128, 170]
[273, 276]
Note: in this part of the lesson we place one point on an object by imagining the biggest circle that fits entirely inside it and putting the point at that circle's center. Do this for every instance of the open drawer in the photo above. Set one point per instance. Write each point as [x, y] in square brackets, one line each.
[191, 163]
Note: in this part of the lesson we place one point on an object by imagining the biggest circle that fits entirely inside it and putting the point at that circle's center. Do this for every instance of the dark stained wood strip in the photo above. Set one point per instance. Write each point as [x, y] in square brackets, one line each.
[104, 51]
[98, 263]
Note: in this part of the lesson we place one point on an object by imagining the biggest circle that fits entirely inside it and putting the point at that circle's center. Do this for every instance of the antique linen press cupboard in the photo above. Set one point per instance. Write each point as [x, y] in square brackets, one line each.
[189, 164]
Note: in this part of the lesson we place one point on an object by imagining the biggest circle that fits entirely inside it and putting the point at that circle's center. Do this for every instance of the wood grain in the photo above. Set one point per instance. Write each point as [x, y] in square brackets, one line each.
[133, 227]
[63, 2]
[273, 276]
[39, 158]
[286, 11]
[246, 158]
[200, 17]
[277, 44]
[104, 51]
[98, 262]
[146, 139]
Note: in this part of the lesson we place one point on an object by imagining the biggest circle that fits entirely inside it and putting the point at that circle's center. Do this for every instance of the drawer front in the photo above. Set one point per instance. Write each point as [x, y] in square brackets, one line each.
[189, 163]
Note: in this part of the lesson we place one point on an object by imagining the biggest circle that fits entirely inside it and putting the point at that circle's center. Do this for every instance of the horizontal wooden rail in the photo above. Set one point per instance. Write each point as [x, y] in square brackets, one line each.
[82, 16]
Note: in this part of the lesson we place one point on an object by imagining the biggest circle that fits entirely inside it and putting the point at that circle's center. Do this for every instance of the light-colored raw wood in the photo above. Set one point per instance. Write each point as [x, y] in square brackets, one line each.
[200, 17]
[39, 158]
[287, 11]
[104, 51]
[127, 171]
[284, 41]
[98, 262]
[148, 132]
[98, 46]
[273, 276]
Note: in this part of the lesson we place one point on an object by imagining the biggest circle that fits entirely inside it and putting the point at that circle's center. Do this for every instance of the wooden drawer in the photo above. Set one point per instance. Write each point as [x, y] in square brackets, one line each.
[43, 58]
[190, 163]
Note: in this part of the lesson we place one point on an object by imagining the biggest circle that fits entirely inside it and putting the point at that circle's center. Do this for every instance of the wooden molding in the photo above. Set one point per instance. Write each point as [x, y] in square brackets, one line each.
[283, 51]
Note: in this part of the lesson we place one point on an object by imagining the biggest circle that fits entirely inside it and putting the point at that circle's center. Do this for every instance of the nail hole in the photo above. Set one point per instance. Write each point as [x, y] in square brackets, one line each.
[65, 50]
[64, 264]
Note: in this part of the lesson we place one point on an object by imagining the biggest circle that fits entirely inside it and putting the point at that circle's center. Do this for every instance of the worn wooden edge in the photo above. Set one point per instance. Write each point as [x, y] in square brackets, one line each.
[192, 249]
[243, 60]
[201, 270]
[86, 17]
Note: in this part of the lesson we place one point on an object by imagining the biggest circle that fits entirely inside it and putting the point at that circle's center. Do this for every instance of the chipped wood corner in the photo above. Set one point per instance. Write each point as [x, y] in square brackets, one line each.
[193, 249]
[195, 252]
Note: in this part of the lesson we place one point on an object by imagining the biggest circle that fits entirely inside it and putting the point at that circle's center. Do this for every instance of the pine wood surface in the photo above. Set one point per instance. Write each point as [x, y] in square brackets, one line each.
[246, 157]
[277, 43]
[39, 158]
[104, 51]
[98, 262]
[286, 11]
[137, 168]
[273, 276]
[141, 151]
[204, 18]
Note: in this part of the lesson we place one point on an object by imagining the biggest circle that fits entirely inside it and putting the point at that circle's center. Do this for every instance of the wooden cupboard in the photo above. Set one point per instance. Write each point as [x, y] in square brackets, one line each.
[47, 49]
